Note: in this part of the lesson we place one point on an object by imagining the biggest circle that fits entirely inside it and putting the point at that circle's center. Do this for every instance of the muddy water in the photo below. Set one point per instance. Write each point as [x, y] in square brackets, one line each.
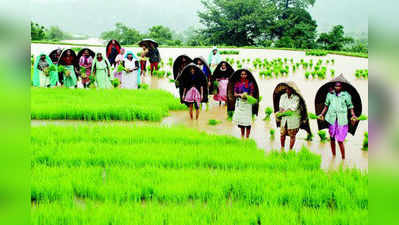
[355, 157]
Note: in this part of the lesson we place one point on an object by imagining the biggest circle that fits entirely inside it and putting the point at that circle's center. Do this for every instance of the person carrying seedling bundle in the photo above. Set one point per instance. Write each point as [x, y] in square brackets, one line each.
[131, 75]
[154, 56]
[214, 58]
[68, 60]
[193, 89]
[220, 80]
[118, 61]
[290, 117]
[102, 71]
[335, 112]
[86, 62]
[143, 60]
[242, 116]
[45, 72]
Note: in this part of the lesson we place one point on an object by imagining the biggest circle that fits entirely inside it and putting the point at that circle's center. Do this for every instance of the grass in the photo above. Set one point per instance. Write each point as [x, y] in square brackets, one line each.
[92, 104]
[152, 175]
[316, 52]
[213, 122]
[323, 136]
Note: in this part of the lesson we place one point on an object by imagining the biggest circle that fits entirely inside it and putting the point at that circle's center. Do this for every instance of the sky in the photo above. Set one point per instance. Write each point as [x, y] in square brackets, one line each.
[92, 17]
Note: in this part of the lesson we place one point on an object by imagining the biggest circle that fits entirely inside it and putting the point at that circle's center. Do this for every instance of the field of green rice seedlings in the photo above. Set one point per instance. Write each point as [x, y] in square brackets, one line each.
[92, 104]
[152, 175]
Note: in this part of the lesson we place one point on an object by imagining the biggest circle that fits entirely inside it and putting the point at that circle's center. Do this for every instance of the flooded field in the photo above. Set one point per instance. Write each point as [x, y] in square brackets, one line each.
[260, 132]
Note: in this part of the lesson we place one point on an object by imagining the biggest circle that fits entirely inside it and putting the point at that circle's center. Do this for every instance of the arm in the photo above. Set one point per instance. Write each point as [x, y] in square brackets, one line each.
[184, 93]
[326, 105]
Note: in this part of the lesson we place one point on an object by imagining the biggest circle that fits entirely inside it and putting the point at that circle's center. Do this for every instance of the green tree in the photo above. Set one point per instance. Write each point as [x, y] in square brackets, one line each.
[37, 31]
[236, 22]
[295, 29]
[163, 35]
[55, 33]
[335, 39]
[299, 4]
[124, 34]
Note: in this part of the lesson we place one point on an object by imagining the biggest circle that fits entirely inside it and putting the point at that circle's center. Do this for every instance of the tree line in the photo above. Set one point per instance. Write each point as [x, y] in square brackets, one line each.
[261, 23]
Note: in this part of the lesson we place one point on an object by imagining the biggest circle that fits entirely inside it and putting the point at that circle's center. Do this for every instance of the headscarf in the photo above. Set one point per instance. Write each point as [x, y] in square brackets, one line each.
[95, 61]
[138, 71]
[36, 77]
[130, 53]
[211, 55]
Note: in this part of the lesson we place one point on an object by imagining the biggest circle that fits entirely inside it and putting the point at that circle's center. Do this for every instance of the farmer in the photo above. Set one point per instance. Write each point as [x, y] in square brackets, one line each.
[335, 112]
[222, 77]
[143, 60]
[214, 58]
[86, 61]
[101, 71]
[243, 110]
[69, 79]
[42, 76]
[193, 92]
[113, 51]
[118, 60]
[289, 102]
[154, 56]
[130, 77]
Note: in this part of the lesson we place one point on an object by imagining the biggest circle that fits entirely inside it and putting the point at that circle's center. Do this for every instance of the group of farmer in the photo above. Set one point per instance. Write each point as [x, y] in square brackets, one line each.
[338, 105]
[83, 69]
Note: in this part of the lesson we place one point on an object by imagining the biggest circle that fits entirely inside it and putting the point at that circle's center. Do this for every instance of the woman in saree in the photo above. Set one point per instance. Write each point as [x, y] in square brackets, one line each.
[45, 73]
[221, 76]
[131, 77]
[119, 60]
[194, 88]
[69, 75]
[113, 49]
[243, 110]
[214, 58]
[86, 61]
[101, 70]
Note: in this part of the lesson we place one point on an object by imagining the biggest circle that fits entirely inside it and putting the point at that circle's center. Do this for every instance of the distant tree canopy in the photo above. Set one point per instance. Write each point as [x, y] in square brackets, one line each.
[122, 33]
[54, 33]
[335, 39]
[251, 22]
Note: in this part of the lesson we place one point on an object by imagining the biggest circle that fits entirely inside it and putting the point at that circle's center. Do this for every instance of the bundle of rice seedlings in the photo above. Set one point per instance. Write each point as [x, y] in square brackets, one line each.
[307, 75]
[332, 72]
[230, 115]
[268, 113]
[83, 72]
[286, 113]
[171, 80]
[323, 135]
[120, 68]
[213, 122]
[116, 82]
[61, 69]
[365, 145]
[52, 68]
[67, 73]
[251, 100]
[362, 118]
[272, 132]
[312, 116]
[143, 86]
[309, 137]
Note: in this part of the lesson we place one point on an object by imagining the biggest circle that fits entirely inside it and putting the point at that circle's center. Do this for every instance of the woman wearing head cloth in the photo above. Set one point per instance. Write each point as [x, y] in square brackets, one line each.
[118, 60]
[335, 112]
[69, 79]
[45, 73]
[131, 77]
[86, 61]
[214, 58]
[101, 70]
[113, 51]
